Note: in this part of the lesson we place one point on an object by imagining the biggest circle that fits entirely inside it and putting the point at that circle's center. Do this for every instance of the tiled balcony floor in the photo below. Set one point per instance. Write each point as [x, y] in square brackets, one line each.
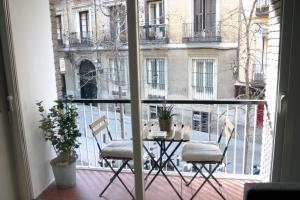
[91, 182]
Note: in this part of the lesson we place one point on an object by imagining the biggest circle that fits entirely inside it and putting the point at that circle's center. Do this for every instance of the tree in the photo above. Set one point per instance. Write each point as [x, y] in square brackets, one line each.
[247, 58]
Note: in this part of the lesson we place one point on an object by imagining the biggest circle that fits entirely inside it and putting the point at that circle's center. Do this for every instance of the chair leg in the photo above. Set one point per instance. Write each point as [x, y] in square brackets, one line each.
[192, 179]
[130, 168]
[116, 175]
[194, 176]
[214, 177]
[207, 179]
[111, 179]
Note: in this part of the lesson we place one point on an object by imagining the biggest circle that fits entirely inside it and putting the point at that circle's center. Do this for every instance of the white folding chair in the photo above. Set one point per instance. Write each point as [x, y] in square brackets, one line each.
[115, 149]
[203, 153]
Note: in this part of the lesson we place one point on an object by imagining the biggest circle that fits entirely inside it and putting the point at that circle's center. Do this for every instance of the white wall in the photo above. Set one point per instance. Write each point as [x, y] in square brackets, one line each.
[36, 79]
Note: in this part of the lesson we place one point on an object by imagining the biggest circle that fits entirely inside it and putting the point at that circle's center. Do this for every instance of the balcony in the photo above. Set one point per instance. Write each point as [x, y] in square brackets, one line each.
[77, 40]
[154, 33]
[209, 34]
[242, 160]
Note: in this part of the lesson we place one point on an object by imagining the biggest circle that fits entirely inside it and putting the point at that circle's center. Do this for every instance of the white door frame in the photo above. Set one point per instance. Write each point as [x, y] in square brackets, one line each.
[134, 71]
[20, 157]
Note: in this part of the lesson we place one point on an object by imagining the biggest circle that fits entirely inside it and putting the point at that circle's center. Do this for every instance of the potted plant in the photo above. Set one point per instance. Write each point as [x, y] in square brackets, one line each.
[60, 128]
[165, 115]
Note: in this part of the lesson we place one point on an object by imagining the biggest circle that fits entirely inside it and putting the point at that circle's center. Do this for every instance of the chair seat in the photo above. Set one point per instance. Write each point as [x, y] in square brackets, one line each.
[118, 149]
[201, 152]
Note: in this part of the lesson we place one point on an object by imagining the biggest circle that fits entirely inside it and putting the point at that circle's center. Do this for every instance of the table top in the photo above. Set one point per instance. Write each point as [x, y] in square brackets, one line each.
[179, 133]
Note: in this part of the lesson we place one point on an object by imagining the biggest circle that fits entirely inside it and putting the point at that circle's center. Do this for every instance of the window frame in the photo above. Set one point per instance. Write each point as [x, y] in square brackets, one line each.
[156, 91]
[202, 126]
[60, 35]
[159, 17]
[120, 29]
[200, 95]
[86, 25]
[193, 16]
[113, 76]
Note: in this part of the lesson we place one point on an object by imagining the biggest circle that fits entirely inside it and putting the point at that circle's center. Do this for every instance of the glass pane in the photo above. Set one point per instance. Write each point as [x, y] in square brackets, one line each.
[200, 76]
[209, 77]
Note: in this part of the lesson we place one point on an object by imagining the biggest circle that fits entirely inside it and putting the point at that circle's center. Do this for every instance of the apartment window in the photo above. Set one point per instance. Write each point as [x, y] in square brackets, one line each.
[156, 74]
[154, 111]
[155, 10]
[59, 28]
[84, 24]
[118, 71]
[260, 52]
[117, 18]
[201, 121]
[262, 7]
[203, 78]
[204, 15]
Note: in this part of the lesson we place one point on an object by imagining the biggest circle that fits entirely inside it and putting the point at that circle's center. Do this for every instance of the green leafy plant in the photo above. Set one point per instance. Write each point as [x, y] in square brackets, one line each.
[166, 112]
[60, 128]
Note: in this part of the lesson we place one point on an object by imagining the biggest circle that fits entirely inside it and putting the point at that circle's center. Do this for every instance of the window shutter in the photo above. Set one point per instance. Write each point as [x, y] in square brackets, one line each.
[210, 16]
[198, 15]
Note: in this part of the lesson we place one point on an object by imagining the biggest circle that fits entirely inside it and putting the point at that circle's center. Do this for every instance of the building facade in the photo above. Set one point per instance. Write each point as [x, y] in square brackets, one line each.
[188, 51]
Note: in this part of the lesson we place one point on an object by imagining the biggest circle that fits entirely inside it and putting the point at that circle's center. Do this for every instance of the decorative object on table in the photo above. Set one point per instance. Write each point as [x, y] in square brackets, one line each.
[158, 134]
[165, 117]
[59, 125]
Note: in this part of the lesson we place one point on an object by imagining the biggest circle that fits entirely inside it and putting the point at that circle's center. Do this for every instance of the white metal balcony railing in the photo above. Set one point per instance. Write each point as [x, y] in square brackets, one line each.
[213, 113]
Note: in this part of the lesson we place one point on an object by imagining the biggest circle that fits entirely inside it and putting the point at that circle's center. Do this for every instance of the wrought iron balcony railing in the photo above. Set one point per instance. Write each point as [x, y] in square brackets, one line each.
[193, 33]
[78, 39]
[154, 33]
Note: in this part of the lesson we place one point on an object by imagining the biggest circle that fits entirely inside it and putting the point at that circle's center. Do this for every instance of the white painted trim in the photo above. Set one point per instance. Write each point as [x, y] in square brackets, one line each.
[77, 25]
[90, 23]
[77, 10]
[215, 72]
[62, 22]
[217, 15]
[112, 87]
[191, 11]
[134, 56]
[24, 182]
[157, 91]
[165, 6]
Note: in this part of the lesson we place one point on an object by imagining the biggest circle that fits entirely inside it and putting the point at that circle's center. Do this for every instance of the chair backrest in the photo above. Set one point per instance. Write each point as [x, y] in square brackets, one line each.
[228, 130]
[98, 126]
